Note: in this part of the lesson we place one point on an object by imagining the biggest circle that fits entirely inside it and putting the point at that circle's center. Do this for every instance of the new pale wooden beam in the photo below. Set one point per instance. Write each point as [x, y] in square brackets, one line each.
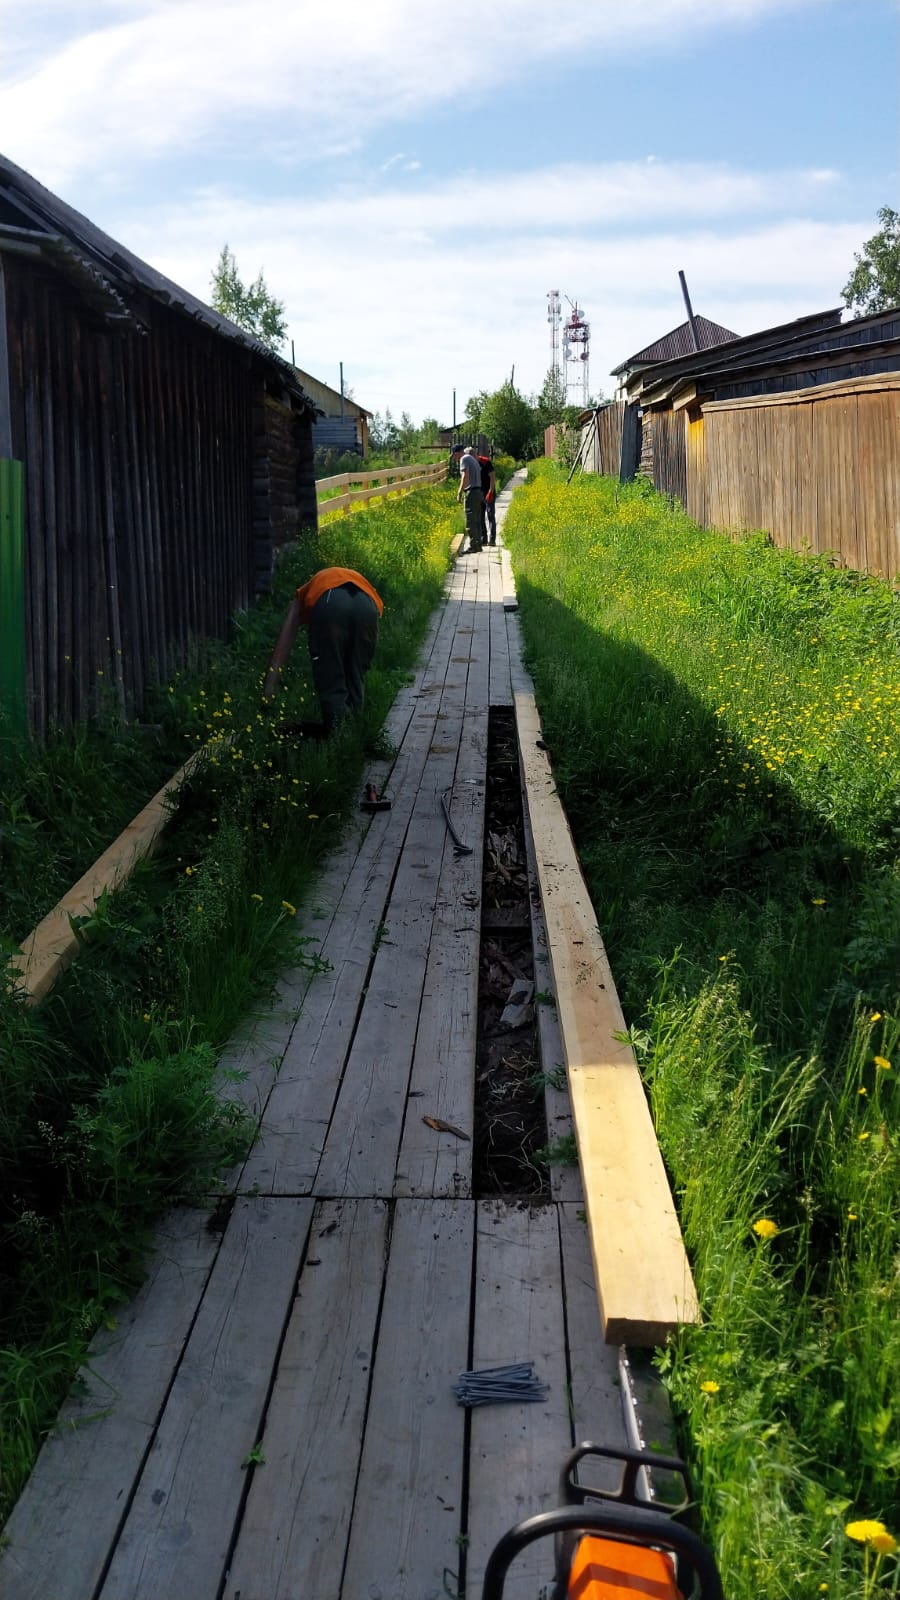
[53, 944]
[644, 1279]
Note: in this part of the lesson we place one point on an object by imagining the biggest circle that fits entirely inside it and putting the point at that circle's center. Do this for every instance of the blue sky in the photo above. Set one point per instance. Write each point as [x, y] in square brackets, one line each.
[413, 179]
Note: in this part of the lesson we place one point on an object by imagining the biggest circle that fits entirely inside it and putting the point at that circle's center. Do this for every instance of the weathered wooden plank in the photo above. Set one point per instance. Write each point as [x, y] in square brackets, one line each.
[516, 1450]
[408, 1511]
[643, 1276]
[360, 1153]
[442, 1078]
[871, 383]
[179, 1528]
[595, 1394]
[500, 686]
[834, 446]
[565, 1181]
[67, 1518]
[878, 481]
[294, 1530]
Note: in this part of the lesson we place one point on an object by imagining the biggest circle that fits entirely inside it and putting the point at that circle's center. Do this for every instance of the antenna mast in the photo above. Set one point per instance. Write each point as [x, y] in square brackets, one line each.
[577, 351]
[554, 317]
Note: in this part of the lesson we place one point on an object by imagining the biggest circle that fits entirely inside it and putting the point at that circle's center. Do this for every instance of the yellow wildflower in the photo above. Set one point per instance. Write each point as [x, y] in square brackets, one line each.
[862, 1136]
[256, 897]
[146, 1016]
[766, 1228]
[866, 1530]
[875, 1017]
[818, 902]
[884, 1543]
[709, 1386]
[286, 906]
[882, 1063]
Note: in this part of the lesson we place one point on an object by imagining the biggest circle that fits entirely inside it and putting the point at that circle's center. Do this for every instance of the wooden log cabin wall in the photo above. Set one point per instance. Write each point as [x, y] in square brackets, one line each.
[166, 454]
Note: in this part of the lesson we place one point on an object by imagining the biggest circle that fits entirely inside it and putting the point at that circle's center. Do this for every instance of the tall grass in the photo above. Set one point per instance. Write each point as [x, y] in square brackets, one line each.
[109, 1107]
[723, 719]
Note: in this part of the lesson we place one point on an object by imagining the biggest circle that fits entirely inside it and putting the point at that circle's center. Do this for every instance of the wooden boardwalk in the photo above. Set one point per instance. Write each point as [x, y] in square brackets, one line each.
[273, 1418]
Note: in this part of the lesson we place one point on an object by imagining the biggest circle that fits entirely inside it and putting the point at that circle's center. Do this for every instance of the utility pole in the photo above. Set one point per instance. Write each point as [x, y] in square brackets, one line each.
[454, 415]
[690, 311]
[342, 390]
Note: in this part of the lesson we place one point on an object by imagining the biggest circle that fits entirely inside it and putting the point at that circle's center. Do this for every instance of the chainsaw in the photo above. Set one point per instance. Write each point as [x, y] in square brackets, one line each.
[610, 1544]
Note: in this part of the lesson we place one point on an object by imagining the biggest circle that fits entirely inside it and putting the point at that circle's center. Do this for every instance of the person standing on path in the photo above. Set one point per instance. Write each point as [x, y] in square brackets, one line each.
[489, 497]
[340, 610]
[470, 487]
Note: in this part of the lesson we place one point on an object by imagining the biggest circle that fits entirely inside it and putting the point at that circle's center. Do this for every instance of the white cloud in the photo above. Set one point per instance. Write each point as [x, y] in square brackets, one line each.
[131, 80]
[414, 308]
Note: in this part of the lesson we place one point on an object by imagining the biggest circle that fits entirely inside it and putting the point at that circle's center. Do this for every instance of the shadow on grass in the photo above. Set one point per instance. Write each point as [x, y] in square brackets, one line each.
[690, 844]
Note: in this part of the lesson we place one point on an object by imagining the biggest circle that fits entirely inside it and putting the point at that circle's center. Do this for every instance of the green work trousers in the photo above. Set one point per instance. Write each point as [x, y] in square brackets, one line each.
[343, 631]
[474, 500]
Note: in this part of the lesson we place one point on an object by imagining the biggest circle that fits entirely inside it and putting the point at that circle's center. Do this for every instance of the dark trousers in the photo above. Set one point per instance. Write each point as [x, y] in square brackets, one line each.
[343, 631]
[474, 504]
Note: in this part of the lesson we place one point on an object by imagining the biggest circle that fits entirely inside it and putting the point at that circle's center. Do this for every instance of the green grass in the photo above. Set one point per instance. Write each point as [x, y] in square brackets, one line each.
[723, 719]
[109, 1105]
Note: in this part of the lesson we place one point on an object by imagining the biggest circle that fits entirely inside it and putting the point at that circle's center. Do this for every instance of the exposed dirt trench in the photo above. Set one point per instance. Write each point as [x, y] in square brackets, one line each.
[510, 1124]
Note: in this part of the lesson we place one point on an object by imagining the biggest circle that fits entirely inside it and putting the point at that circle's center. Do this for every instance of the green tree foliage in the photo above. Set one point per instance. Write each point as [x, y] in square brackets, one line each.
[383, 432]
[251, 306]
[474, 407]
[874, 283]
[510, 422]
[551, 402]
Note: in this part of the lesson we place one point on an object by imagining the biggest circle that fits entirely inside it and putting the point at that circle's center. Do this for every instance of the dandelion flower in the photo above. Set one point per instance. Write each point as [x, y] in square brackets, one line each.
[866, 1530]
[257, 897]
[863, 1090]
[766, 1228]
[709, 1386]
[286, 906]
[884, 1543]
[882, 1063]
[818, 902]
[313, 816]
[146, 1016]
[852, 1216]
[189, 872]
[875, 1017]
[862, 1136]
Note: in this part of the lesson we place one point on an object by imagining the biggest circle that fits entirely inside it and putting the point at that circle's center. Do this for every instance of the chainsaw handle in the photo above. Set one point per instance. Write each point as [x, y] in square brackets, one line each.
[631, 1462]
[629, 1523]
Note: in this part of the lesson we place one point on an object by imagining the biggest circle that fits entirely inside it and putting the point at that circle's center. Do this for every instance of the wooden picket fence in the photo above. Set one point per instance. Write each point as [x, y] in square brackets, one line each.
[361, 486]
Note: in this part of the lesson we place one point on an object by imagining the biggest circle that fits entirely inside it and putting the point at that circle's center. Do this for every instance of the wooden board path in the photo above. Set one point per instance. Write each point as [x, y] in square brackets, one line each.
[273, 1416]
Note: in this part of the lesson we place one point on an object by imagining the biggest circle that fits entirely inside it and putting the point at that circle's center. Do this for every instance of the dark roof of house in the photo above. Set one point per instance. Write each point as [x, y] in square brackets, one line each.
[818, 341]
[680, 342]
[107, 272]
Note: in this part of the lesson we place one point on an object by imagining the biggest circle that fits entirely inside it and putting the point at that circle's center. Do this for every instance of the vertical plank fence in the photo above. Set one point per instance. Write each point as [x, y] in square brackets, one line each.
[817, 468]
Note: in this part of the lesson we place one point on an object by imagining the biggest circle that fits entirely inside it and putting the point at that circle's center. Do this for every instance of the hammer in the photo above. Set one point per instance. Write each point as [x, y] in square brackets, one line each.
[371, 802]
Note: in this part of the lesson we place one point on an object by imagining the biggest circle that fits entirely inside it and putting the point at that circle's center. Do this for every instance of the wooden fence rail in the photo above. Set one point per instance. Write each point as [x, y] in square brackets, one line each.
[387, 480]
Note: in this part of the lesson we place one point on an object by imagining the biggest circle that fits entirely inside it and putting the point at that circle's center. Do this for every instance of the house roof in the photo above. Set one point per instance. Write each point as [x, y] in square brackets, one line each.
[680, 342]
[817, 342]
[35, 221]
[326, 397]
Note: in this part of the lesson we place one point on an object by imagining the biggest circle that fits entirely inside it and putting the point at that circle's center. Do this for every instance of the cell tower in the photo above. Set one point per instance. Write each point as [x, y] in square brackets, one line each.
[577, 352]
[554, 317]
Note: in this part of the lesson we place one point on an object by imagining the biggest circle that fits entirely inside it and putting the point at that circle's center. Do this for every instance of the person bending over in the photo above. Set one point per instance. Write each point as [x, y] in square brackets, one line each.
[340, 610]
